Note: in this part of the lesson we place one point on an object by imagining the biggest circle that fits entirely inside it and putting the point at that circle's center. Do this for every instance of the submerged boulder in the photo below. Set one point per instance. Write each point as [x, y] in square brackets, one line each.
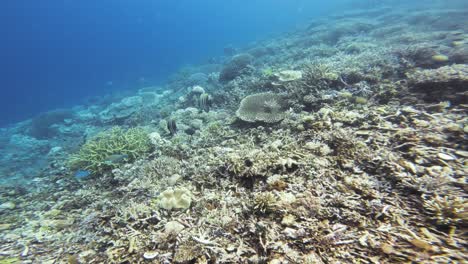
[235, 67]
[42, 125]
[444, 83]
[122, 109]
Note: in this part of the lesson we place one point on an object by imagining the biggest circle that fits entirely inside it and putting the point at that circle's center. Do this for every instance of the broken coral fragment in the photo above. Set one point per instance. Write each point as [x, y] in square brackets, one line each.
[288, 75]
[173, 227]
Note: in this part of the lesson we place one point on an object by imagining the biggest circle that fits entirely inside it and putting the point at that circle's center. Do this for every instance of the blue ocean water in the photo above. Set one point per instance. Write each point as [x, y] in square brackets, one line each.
[55, 53]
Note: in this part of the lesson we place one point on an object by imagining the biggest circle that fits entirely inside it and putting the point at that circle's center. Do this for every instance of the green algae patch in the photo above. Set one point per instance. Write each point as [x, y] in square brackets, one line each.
[10, 260]
[109, 149]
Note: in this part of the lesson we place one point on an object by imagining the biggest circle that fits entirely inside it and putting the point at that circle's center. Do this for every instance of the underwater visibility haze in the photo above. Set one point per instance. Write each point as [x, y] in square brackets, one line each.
[56, 53]
[266, 131]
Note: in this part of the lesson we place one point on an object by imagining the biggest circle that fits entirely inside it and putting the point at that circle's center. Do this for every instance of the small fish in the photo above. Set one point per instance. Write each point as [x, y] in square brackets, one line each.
[81, 174]
[115, 158]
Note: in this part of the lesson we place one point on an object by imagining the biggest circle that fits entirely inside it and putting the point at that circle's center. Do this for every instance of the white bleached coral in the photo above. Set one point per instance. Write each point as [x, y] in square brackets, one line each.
[288, 75]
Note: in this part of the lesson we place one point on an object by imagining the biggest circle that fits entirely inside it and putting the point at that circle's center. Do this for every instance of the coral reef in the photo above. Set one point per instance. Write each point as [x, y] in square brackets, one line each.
[42, 125]
[107, 149]
[175, 199]
[235, 67]
[122, 109]
[456, 74]
[262, 107]
[361, 160]
[444, 83]
[288, 75]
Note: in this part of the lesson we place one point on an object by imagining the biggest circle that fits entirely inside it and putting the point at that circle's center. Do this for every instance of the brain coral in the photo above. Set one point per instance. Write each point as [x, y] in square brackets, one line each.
[179, 198]
[262, 107]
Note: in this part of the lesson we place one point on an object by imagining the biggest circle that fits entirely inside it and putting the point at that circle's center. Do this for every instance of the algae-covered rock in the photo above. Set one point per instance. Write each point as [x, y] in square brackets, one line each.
[235, 67]
[444, 83]
[12, 260]
[122, 109]
[198, 78]
[457, 73]
[187, 252]
[42, 125]
[179, 198]
[7, 206]
[262, 107]
[5, 226]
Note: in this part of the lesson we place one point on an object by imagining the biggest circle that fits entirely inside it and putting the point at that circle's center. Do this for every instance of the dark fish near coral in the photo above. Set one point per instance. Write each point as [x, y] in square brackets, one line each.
[81, 174]
[172, 126]
[115, 158]
[204, 102]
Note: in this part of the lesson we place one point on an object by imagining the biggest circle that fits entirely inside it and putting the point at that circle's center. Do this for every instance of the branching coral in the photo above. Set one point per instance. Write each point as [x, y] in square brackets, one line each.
[317, 72]
[101, 152]
[447, 210]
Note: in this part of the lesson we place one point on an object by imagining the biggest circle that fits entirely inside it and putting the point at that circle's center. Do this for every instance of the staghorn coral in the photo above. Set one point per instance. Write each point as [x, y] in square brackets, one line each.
[318, 72]
[251, 162]
[95, 155]
[447, 210]
[262, 107]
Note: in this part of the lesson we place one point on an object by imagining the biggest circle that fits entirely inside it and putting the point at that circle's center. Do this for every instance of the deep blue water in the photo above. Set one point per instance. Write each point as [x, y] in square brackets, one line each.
[54, 53]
